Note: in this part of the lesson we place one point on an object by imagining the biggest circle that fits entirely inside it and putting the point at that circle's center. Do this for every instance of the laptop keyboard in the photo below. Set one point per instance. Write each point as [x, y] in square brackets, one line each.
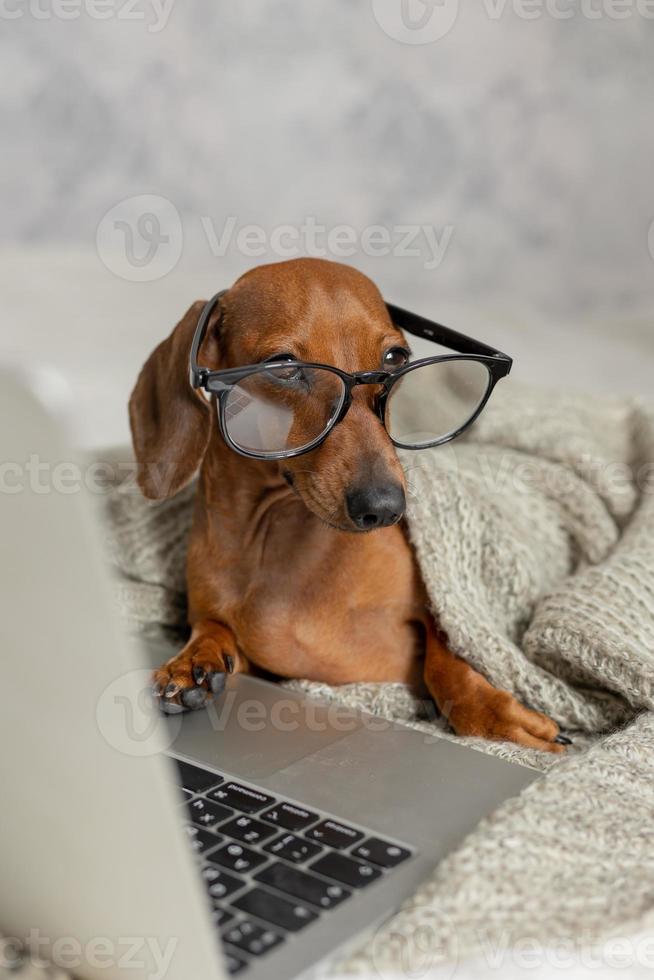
[270, 866]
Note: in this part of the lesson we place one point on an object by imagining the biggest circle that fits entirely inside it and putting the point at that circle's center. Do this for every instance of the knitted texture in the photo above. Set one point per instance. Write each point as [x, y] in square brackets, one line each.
[535, 539]
[568, 861]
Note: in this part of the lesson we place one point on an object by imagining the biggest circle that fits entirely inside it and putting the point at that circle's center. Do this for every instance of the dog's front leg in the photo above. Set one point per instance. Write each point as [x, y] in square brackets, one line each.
[474, 707]
[199, 670]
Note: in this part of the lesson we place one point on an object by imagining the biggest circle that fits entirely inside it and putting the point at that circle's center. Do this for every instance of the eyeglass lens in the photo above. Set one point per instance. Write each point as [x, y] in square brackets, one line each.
[434, 401]
[282, 409]
[286, 408]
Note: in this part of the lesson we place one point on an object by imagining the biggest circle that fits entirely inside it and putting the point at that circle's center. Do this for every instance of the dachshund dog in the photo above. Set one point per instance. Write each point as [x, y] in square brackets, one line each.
[301, 567]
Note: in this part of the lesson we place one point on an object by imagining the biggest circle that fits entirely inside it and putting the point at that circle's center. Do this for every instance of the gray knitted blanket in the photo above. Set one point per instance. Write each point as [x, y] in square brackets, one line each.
[535, 537]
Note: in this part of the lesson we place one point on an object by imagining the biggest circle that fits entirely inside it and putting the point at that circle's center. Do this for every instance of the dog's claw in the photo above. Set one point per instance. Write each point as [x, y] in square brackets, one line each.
[563, 740]
[194, 698]
[170, 708]
[217, 681]
[198, 674]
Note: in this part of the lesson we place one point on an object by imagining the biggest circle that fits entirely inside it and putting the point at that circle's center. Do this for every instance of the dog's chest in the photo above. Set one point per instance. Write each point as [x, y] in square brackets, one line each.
[338, 610]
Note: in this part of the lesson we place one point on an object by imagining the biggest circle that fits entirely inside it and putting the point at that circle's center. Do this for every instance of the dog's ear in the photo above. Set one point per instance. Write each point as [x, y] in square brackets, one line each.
[170, 421]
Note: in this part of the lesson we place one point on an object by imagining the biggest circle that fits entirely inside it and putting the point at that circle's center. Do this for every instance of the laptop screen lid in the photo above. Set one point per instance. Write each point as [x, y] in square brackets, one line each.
[96, 873]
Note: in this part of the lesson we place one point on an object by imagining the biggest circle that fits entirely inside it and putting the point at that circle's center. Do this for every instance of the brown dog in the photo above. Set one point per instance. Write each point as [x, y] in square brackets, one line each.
[278, 580]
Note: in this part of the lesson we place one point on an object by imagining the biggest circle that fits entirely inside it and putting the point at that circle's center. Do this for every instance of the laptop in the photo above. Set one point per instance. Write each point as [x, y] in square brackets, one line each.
[263, 837]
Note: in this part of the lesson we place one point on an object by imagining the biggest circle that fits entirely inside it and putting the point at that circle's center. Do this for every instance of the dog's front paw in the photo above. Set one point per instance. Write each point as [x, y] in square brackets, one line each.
[197, 674]
[499, 716]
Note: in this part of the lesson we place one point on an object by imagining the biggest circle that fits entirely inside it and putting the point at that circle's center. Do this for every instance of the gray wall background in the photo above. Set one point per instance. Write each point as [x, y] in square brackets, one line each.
[531, 139]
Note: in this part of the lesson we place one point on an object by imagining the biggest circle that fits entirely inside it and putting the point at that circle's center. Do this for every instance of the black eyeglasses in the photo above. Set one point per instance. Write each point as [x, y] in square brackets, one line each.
[282, 407]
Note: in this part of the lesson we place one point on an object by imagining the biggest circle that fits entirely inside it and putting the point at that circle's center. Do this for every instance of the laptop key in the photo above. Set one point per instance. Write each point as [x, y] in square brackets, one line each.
[234, 964]
[344, 869]
[290, 816]
[335, 834]
[381, 852]
[204, 813]
[304, 886]
[202, 840]
[291, 916]
[220, 916]
[196, 779]
[241, 797]
[236, 857]
[247, 829]
[292, 848]
[251, 938]
[219, 883]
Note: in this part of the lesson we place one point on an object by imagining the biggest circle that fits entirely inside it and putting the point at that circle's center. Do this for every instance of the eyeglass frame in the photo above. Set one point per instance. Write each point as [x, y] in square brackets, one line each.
[219, 383]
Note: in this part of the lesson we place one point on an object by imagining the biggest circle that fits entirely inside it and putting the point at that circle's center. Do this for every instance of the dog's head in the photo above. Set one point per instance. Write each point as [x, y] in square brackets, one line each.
[310, 310]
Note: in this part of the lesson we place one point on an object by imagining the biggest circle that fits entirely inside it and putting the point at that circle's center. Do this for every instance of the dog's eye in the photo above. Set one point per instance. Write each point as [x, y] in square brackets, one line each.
[292, 376]
[277, 358]
[395, 357]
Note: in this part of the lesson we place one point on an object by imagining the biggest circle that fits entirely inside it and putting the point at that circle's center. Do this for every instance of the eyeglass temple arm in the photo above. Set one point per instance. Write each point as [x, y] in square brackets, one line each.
[197, 374]
[445, 336]
[413, 322]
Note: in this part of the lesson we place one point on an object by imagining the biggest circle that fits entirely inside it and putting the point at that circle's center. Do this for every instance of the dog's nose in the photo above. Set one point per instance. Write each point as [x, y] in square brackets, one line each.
[376, 506]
